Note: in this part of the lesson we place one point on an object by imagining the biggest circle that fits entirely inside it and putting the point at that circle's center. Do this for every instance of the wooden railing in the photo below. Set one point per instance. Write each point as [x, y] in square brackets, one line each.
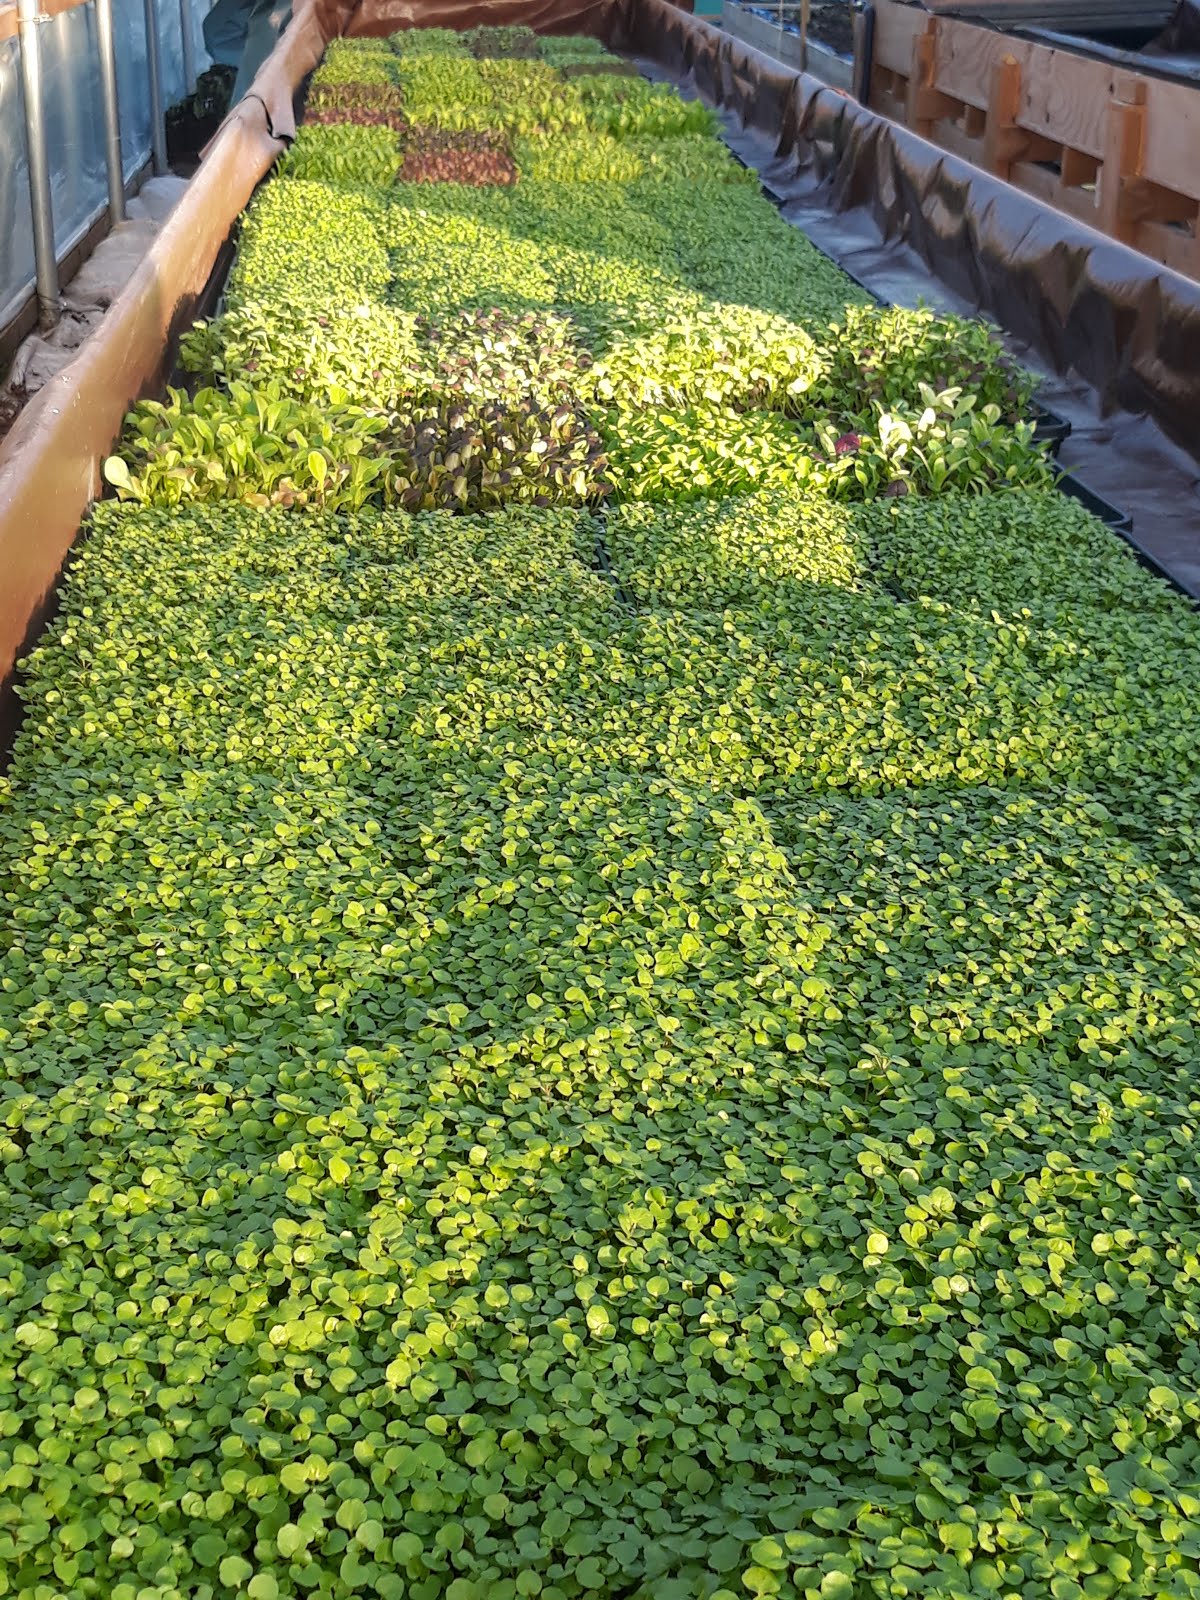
[1114, 148]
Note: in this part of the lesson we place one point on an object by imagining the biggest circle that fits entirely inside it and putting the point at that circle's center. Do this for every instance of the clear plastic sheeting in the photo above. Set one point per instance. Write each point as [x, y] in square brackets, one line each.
[75, 125]
[16, 219]
[133, 81]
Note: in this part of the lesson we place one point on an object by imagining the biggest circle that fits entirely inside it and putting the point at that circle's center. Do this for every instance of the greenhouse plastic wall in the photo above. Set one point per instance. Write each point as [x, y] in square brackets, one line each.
[75, 126]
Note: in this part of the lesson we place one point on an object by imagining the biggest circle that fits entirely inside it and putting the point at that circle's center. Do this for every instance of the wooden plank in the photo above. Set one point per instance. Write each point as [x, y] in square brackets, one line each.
[1036, 181]
[1048, 186]
[896, 27]
[1064, 96]
[1174, 247]
[951, 136]
[1122, 160]
[1171, 154]
[926, 103]
[1143, 201]
[889, 100]
[1116, 148]
[1012, 144]
[926, 106]
[968, 57]
[1004, 100]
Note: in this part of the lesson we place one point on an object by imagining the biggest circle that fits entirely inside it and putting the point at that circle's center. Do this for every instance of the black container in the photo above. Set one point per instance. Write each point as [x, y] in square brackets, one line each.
[1112, 516]
[1121, 524]
[1049, 428]
[193, 122]
[603, 565]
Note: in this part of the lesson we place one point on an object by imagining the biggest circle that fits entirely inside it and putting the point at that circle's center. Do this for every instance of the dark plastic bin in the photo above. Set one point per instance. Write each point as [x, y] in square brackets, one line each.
[1112, 516]
[1049, 428]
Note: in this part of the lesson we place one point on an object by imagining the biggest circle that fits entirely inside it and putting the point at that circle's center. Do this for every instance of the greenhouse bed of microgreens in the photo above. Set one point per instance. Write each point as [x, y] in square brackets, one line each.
[601, 955]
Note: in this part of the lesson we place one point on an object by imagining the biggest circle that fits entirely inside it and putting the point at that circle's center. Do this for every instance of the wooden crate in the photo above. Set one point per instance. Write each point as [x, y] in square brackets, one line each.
[1115, 148]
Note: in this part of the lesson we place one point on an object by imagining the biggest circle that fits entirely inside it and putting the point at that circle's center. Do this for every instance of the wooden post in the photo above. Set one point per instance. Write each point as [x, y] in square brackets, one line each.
[1001, 137]
[805, 12]
[920, 78]
[926, 103]
[1124, 136]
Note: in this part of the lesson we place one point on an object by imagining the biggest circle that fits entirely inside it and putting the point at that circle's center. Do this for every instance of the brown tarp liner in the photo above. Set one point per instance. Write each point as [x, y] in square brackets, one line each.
[1083, 303]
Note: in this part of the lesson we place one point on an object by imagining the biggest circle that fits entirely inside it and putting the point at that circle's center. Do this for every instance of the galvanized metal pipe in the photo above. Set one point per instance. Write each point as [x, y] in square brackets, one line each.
[29, 22]
[158, 126]
[112, 111]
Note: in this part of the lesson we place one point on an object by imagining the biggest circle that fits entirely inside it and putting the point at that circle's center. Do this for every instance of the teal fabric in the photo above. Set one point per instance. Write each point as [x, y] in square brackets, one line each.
[242, 34]
[224, 30]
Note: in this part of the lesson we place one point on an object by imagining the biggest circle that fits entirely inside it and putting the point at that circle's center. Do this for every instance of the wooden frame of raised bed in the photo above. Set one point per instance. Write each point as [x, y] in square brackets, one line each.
[1115, 148]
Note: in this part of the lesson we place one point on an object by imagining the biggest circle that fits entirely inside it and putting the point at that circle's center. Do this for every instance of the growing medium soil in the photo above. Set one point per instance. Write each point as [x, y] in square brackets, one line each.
[10, 408]
[833, 25]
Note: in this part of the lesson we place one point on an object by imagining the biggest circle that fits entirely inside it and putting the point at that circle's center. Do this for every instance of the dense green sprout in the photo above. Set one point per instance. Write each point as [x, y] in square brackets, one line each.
[702, 451]
[641, 1048]
[735, 552]
[736, 247]
[436, 878]
[313, 350]
[359, 61]
[310, 243]
[574, 50]
[522, 97]
[880, 356]
[415, 42]
[343, 155]
[709, 353]
[583, 157]
[631, 108]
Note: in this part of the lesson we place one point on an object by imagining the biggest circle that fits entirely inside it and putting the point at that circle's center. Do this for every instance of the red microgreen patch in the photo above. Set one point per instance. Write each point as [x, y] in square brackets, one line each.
[434, 156]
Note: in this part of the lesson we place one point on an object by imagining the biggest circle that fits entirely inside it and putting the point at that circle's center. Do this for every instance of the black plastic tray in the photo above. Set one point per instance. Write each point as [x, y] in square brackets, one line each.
[1112, 516]
[603, 564]
[1121, 524]
[1049, 428]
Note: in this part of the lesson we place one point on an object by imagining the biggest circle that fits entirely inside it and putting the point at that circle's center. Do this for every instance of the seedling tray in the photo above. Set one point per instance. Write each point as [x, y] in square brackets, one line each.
[1112, 516]
[591, 69]
[603, 564]
[1049, 428]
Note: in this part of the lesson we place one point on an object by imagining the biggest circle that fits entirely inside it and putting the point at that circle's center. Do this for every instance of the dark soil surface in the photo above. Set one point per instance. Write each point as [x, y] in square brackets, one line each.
[10, 410]
[832, 25]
